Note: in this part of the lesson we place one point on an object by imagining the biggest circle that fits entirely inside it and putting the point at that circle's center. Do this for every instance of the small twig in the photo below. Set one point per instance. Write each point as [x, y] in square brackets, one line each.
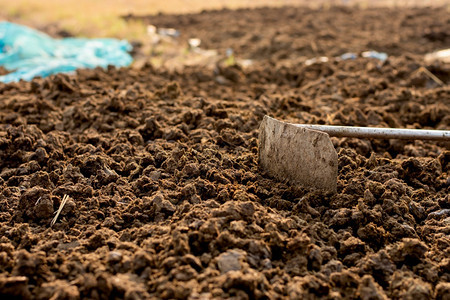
[431, 75]
[61, 206]
[37, 202]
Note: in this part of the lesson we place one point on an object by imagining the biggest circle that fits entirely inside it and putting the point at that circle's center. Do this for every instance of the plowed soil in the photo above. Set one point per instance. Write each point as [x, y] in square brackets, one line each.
[166, 196]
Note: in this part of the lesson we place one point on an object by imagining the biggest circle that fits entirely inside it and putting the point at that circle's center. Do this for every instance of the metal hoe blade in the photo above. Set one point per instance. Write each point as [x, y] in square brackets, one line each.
[298, 155]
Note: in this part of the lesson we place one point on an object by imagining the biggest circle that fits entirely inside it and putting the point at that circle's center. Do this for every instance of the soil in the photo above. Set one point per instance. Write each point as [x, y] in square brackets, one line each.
[166, 199]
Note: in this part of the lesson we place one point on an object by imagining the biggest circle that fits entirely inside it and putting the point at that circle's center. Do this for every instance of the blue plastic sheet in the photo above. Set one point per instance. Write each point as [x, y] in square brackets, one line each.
[29, 53]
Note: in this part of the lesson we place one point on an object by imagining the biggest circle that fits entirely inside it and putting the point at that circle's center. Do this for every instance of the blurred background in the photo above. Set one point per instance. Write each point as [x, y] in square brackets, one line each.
[102, 18]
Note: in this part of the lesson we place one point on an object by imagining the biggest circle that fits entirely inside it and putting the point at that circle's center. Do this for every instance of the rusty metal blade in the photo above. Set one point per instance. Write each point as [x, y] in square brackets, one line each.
[297, 155]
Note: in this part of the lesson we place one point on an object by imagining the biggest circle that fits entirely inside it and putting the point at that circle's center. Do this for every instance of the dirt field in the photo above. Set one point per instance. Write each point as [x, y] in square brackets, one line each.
[166, 196]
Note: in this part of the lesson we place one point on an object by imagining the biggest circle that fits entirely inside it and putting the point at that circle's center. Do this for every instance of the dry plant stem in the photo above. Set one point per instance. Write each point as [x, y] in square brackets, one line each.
[61, 206]
[429, 74]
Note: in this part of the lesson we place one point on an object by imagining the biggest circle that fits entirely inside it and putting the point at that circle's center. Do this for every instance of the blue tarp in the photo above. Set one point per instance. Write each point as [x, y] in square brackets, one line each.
[29, 53]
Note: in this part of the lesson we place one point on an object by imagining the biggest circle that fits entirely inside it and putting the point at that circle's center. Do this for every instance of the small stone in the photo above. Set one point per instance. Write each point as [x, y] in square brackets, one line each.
[114, 257]
[141, 260]
[230, 260]
[155, 175]
[162, 205]
[417, 210]
[191, 170]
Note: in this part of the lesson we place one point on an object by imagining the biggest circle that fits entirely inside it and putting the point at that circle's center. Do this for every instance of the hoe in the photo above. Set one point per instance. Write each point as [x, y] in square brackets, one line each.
[303, 154]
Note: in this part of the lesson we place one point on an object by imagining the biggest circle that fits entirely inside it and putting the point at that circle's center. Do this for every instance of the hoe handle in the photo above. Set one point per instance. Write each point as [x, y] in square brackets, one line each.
[383, 133]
